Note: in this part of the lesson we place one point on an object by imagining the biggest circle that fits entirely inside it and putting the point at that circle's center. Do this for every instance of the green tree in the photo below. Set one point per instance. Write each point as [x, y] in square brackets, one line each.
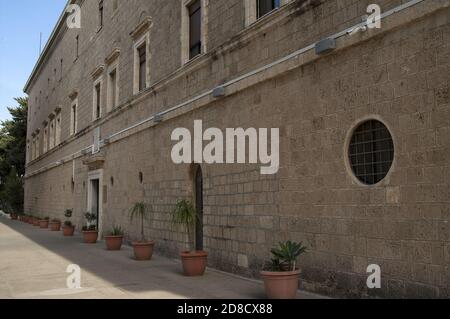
[12, 193]
[13, 134]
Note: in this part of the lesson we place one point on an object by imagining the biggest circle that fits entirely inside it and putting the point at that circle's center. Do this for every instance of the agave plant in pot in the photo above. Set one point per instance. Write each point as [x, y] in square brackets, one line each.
[114, 238]
[193, 261]
[43, 223]
[68, 228]
[90, 232]
[281, 276]
[143, 249]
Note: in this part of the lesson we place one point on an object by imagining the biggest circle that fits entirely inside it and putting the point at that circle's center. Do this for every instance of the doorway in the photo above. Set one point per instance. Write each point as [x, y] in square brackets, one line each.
[95, 197]
[95, 203]
[199, 208]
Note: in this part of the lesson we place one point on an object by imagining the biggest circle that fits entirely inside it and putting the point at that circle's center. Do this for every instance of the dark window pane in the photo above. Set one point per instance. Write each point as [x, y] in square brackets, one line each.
[265, 6]
[371, 152]
[113, 88]
[195, 29]
[142, 67]
[97, 107]
[100, 13]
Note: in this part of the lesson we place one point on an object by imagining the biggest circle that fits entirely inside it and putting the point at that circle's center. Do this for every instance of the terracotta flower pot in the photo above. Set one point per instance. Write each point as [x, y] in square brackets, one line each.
[143, 250]
[281, 285]
[36, 222]
[90, 237]
[194, 263]
[113, 242]
[31, 220]
[43, 223]
[68, 231]
[55, 226]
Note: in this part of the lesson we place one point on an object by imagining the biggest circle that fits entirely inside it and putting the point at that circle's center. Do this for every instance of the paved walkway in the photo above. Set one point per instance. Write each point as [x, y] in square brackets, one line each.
[33, 264]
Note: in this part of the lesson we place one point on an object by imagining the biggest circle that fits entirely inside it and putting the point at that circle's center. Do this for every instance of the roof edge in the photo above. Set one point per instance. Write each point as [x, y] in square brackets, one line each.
[47, 47]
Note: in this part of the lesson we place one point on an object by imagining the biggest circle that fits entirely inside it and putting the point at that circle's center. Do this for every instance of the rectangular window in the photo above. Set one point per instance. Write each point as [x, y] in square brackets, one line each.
[73, 118]
[33, 148]
[58, 130]
[77, 46]
[97, 106]
[52, 135]
[112, 89]
[37, 147]
[46, 139]
[100, 13]
[61, 70]
[142, 67]
[265, 6]
[195, 29]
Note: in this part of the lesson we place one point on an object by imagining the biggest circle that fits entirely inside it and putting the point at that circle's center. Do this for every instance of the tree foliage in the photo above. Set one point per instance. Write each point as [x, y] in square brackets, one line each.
[12, 157]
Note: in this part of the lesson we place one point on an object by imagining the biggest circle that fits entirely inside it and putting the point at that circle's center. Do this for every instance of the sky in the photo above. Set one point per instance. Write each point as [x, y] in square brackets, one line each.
[21, 21]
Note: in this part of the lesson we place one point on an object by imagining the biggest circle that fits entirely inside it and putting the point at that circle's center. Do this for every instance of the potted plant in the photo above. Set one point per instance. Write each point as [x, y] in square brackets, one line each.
[13, 216]
[194, 262]
[143, 249]
[281, 276]
[114, 238]
[90, 232]
[55, 224]
[43, 223]
[36, 221]
[68, 228]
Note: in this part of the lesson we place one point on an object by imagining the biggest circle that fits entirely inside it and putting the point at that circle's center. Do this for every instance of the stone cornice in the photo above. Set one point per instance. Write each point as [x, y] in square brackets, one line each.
[73, 95]
[98, 71]
[112, 56]
[141, 28]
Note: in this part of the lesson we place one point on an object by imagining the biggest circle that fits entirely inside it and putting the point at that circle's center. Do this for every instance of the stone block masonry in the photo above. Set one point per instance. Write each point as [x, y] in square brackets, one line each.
[398, 75]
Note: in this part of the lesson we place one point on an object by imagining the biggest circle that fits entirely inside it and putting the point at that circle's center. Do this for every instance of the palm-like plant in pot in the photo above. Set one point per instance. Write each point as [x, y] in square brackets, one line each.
[114, 238]
[281, 275]
[143, 249]
[194, 262]
[68, 228]
[90, 232]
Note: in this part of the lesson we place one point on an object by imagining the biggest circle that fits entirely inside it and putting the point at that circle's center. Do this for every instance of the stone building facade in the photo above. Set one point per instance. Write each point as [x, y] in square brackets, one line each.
[106, 97]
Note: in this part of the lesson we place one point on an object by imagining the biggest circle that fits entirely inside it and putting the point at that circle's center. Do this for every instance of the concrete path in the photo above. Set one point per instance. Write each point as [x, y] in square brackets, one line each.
[33, 264]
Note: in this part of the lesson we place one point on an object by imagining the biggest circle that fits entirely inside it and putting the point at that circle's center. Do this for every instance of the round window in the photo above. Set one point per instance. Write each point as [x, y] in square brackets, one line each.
[371, 152]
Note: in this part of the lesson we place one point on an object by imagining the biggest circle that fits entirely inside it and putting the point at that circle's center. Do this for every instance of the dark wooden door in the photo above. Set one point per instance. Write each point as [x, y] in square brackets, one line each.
[199, 209]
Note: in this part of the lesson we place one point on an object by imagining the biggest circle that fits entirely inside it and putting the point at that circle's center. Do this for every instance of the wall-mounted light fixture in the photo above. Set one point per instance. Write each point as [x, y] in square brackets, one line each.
[218, 92]
[326, 45]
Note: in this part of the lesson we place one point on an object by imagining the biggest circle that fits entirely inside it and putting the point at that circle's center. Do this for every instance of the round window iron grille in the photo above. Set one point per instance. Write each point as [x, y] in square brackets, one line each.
[371, 152]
